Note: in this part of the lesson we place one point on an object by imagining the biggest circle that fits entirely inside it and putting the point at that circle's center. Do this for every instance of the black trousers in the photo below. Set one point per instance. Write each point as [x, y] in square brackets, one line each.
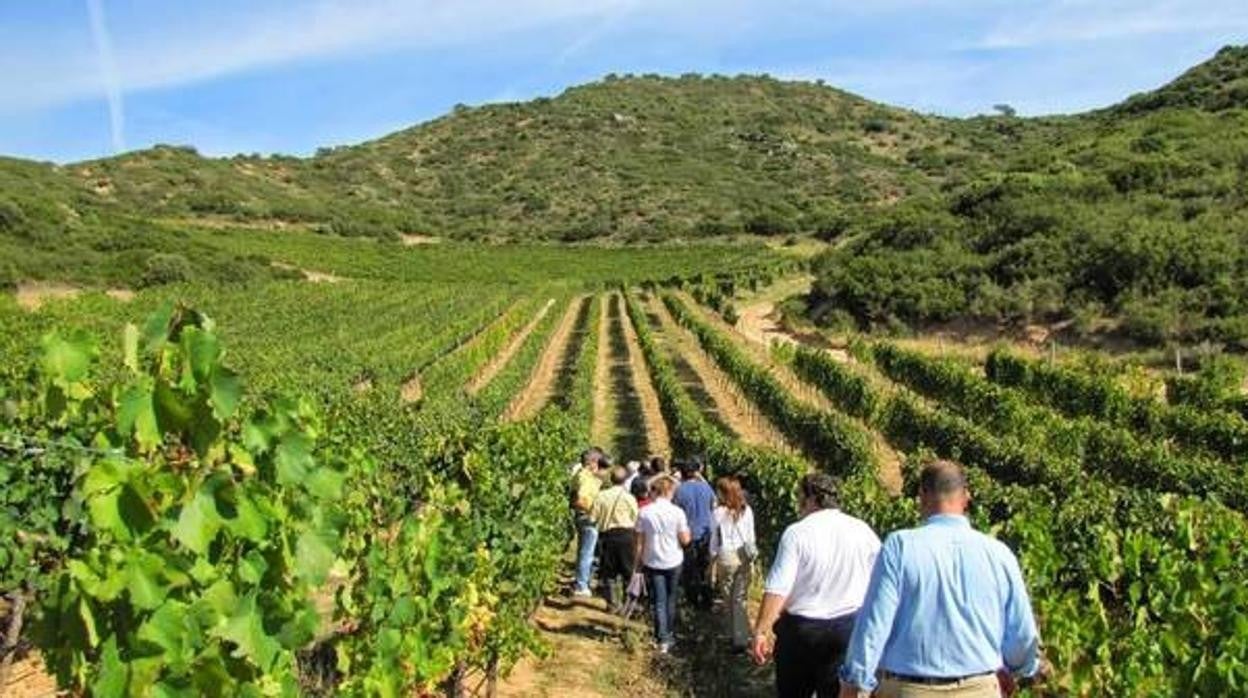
[616, 568]
[809, 653]
[696, 579]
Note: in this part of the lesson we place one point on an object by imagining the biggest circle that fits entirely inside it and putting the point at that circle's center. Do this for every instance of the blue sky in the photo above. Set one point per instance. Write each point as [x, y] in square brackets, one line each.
[86, 78]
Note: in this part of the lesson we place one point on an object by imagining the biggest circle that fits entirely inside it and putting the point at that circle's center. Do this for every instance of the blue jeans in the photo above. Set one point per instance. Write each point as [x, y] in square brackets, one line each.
[665, 592]
[587, 536]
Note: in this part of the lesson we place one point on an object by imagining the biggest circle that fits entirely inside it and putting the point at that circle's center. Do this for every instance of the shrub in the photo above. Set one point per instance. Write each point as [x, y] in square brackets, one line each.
[164, 268]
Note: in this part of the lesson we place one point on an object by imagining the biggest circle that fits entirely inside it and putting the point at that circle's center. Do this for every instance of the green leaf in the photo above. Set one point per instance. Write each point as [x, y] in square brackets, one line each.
[313, 557]
[252, 567]
[294, 458]
[198, 522]
[113, 675]
[226, 390]
[324, 483]
[166, 628]
[136, 415]
[88, 622]
[130, 347]
[156, 329]
[203, 350]
[67, 360]
[249, 522]
[146, 590]
[246, 630]
[173, 414]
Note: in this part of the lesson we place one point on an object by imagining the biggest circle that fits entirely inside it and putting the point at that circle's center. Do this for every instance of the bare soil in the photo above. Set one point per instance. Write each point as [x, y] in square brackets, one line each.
[541, 384]
[604, 412]
[412, 390]
[733, 409]
[412, 240]
[32, 295]
[29, 678]
[658, 439]
[316, 277]
[500, 360]
[591, 654]
[124, 295]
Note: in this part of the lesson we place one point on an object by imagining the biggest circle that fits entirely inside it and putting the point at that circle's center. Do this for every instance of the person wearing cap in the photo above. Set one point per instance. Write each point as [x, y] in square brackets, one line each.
[585, 485]
[696, 498]
[813, 592]
[615, 516]
[947, 612]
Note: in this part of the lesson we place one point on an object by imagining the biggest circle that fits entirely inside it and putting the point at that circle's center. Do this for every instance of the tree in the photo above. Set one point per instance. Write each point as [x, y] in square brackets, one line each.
[1005, 110]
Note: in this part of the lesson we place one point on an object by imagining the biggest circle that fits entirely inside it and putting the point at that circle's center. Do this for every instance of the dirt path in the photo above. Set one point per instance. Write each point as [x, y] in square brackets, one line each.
[760, 353]
[500, 360]
[731, 408]
[658, 439]
[630, 439]
[28, 678]
[592, 654]
[604, 418]
[31, 295]
[887, 457]
[541, 384]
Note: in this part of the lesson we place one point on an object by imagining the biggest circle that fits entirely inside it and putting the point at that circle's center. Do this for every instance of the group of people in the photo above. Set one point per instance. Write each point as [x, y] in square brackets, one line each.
[666, 532]
[940, 609]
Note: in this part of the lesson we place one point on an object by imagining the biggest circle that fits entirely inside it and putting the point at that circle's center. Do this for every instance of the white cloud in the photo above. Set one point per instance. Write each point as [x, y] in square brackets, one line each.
[108, 69]
[164, 56]
[1063, 21]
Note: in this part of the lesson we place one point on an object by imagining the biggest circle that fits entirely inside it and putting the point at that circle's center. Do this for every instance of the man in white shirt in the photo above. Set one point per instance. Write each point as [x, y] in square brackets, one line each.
[662, 532]
[813, 592]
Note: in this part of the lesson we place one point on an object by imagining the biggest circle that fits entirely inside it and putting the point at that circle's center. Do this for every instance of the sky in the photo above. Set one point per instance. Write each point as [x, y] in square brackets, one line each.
[81, 79]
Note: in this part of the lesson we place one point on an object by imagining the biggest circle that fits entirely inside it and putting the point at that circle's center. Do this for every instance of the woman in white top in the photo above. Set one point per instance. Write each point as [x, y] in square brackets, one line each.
[733, 548]
[662, 532]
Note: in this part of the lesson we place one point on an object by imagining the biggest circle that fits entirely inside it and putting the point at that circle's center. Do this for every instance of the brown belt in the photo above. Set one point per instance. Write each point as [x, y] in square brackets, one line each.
[932, 680]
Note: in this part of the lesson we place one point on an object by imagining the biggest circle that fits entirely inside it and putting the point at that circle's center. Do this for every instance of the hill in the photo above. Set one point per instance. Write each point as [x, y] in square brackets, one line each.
[1127, 220]
[636, 158]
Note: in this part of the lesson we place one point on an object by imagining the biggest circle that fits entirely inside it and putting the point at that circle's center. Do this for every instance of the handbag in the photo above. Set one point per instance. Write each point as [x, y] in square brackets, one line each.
[749, 549]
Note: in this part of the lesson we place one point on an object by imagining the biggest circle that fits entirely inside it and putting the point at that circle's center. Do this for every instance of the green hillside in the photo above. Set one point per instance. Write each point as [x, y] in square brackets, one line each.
[1130, 222]
[1126, 220]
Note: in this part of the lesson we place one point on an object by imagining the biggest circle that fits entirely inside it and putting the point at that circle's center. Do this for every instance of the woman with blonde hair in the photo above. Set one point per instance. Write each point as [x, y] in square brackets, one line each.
[733, 550]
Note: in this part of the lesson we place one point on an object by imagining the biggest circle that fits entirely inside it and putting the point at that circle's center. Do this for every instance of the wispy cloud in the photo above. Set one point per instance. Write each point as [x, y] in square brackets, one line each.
[190, 52]
[108, 69]
[1064, 21]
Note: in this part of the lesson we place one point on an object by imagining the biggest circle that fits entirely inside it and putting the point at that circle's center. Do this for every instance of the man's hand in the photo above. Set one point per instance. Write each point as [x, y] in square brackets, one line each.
[1006, 680]
[760, 649]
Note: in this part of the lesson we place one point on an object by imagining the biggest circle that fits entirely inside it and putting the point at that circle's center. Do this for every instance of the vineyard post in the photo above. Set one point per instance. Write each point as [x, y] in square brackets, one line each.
[1178, 359]
[1052, 352]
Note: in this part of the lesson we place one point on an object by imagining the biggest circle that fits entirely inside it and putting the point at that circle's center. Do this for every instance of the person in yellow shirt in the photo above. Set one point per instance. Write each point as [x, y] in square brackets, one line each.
[615, 516]
[586, 483]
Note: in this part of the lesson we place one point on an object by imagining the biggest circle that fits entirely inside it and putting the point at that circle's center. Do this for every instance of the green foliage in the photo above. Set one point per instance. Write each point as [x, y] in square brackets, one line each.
[1135, 590]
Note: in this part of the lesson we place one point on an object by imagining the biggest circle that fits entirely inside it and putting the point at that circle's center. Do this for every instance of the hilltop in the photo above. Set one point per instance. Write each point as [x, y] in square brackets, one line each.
[1127, 219]
[634, 158]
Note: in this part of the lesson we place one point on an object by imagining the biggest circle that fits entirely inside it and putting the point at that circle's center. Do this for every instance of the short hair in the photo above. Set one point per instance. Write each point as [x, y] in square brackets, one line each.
[619, 474]
[657, 464]
[640, 488]
[941, 479]
[689, 467]
[663, 485]
[821, 488]
[594, 454]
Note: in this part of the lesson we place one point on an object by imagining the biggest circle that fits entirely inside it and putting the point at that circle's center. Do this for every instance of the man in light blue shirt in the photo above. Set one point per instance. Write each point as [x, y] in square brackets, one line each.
[946, 611]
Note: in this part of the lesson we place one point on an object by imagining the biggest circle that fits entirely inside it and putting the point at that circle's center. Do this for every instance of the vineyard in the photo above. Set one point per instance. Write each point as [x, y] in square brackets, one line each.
[357, 487]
